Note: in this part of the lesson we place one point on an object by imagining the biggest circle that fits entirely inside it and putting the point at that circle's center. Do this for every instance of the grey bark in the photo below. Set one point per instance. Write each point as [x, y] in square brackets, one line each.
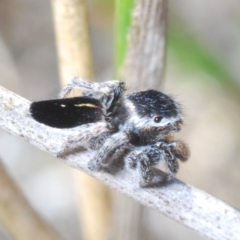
[191, 207]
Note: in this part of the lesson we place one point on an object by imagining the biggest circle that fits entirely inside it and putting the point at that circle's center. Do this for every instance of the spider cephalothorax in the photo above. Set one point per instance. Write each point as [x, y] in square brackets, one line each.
[147, 116]
[138, 126]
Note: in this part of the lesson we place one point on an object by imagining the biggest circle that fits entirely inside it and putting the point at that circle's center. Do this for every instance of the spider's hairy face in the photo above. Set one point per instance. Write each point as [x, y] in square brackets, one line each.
[148, 116]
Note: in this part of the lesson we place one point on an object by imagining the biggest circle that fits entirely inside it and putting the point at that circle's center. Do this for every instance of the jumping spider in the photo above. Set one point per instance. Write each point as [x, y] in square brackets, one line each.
[139, 126]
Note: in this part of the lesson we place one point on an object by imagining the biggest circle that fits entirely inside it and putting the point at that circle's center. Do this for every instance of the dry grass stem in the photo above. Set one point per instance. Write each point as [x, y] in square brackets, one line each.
[75, 57]
[17, 216]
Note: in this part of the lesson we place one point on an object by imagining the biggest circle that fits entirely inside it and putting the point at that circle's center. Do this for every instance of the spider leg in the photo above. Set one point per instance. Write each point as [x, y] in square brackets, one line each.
[83, 140]
[96, 142]
[142, 162]
[143, 158]
[172, 165]
[180, 150]
[106, 92]
[116, 159]
[103, 157]
[173, 151]
[167, 155]
[76, 82]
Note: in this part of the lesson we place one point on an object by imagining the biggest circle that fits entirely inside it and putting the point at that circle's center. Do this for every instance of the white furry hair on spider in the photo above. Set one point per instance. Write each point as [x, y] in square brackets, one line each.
[139, 128]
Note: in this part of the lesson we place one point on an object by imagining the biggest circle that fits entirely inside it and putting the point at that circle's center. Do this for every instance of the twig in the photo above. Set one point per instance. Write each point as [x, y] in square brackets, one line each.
[189, 206]
[144, 61]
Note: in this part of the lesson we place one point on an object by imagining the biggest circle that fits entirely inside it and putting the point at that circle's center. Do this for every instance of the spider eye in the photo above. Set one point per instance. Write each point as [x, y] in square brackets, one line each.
[157, 119]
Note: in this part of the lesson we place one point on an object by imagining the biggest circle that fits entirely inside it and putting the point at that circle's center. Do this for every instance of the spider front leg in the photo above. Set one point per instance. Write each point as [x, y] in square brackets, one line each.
[140, 161]
[143, 158]
[104, 157]
[174, 150]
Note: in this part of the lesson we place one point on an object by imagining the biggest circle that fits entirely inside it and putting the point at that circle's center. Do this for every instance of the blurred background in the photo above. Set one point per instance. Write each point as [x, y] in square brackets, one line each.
[202, 73]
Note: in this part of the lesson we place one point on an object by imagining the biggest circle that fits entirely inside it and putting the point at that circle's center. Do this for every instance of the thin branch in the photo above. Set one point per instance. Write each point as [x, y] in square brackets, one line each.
[189, 206]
